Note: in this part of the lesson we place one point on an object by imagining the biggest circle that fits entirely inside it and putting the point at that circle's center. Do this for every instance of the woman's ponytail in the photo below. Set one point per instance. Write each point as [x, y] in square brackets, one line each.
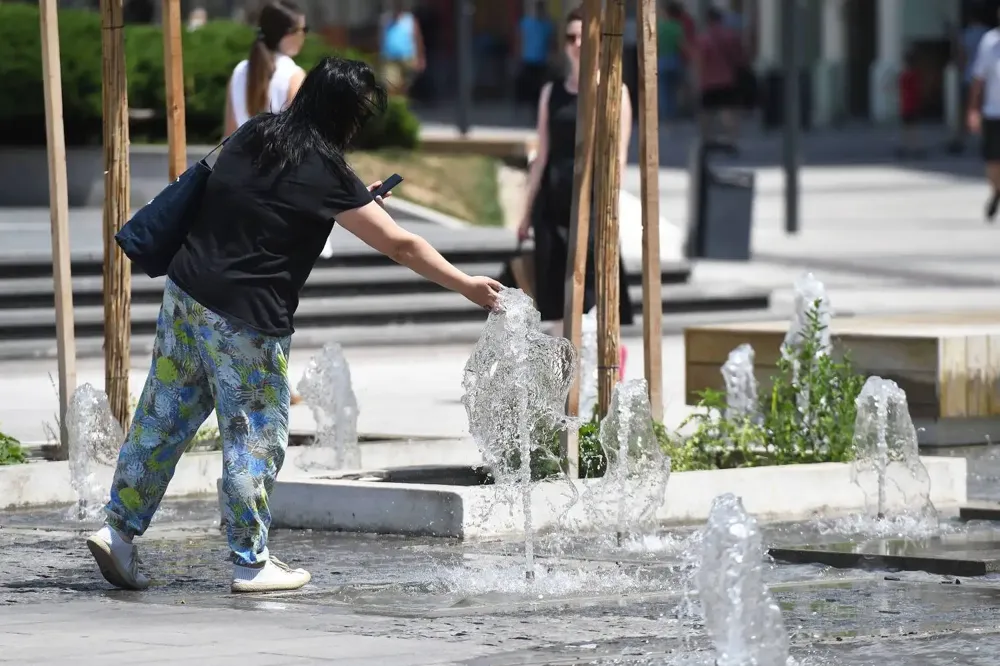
[260, 69]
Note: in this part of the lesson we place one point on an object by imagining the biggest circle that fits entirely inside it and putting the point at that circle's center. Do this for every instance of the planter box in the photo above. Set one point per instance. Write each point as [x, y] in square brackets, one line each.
[786, 493]
[948, 364]
[24, 174]
[48, 483]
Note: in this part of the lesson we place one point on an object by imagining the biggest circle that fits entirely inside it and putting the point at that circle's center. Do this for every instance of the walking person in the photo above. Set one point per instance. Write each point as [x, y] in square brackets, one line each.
[268, 79]
[225, 325]
[535, 33]
[401, 48]
[670, 48]
[910, 94]
[984, 112]
[550, 190]
[720, 56]
[968, 47]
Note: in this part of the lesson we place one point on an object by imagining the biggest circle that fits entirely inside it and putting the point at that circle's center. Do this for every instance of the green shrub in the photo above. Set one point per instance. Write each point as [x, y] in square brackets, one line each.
[545, 461]
[397, 127]
[210, 54]
[820, 430]
[11, 452]
[783, 433]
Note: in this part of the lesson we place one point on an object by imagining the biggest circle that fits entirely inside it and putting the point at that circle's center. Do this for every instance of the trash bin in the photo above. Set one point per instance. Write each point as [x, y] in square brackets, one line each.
[720, 207]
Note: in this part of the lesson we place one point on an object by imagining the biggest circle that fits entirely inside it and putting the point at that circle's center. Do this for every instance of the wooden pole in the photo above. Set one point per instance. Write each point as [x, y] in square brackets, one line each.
[579, 229]
[649, 179]
[117, 270]
[607, 181]
[173, 65]
[59, 211]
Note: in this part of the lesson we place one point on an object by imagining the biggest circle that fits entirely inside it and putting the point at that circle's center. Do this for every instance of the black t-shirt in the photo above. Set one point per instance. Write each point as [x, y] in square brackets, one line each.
[258, 235]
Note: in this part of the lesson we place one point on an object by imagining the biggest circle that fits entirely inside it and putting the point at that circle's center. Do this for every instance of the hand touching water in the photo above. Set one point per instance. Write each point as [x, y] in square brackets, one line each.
[483, 291]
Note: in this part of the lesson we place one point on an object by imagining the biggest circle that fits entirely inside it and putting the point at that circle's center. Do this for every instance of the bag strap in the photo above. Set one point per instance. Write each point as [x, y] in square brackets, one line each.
[216, 149]
[226, 140]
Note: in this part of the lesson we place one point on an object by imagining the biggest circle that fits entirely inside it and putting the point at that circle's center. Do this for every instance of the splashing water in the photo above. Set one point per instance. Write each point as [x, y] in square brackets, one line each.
[516, 382]
[95, 438]
[634, 486]
[811, 302]
[810, 297]
[742, 620]
[741, 383]
[588, 364]
[326, 388]
[886, 459]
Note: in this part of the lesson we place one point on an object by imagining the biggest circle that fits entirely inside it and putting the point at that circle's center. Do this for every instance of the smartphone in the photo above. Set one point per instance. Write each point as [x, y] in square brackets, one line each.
[387, 184]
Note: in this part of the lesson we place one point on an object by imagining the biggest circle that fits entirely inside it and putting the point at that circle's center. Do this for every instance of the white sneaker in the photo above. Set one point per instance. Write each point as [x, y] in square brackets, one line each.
[117, 559]
[274, 576]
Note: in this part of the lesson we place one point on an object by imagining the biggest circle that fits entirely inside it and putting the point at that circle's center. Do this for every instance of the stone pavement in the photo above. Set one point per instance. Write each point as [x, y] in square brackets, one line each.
[103, 632]
[426, 601]
[887, 237]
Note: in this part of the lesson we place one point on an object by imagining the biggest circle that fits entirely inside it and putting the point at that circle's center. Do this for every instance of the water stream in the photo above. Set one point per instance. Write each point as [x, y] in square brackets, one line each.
[887, 464]
[95, 438]
[326, 387]
[516, 382]
[741, 618]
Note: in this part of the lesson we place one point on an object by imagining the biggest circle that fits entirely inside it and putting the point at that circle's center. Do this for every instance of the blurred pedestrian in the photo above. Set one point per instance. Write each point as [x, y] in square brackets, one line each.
[910, 102]
[224, 331]
[669, 51]
[197, 19]
[268, 79]
[401, 47]
[720, 56]
[549, 201]
[535, 32]
[984, 112]
[968, 46]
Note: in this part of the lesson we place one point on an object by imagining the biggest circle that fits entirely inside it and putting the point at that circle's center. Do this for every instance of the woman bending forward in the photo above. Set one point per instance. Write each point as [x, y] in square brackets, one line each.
[225, 326]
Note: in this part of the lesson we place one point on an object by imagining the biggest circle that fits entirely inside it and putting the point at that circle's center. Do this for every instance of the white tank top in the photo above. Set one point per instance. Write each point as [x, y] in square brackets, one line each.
[277, 91]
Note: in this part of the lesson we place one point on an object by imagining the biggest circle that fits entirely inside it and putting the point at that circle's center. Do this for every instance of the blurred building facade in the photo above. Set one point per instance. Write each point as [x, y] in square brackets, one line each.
[852, 50]
[855, 49]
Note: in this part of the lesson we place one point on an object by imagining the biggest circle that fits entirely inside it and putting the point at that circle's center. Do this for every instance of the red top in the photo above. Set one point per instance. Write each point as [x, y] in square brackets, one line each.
[690, 34]
[909, 92]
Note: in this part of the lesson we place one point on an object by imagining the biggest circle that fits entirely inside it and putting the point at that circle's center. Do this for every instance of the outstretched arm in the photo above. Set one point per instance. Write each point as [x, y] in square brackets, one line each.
[376, 228]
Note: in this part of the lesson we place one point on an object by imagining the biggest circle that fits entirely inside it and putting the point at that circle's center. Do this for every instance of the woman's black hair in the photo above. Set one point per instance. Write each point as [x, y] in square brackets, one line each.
[335, 101]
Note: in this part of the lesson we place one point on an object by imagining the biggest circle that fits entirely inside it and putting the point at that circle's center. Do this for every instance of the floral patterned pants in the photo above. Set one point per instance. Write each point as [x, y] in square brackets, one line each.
[203, 361]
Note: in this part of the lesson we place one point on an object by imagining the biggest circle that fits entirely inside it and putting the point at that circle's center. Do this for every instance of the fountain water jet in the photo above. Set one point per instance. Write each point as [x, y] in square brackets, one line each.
[743, 622]
[810, 300]
[634, 485]
[885, 440]
[516, 382]
[326, 388]
[741, 384]
[588, 364]
[95, 439]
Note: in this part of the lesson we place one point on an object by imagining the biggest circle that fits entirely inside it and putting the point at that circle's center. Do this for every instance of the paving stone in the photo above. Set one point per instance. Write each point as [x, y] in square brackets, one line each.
[971, 554]
[980, 511]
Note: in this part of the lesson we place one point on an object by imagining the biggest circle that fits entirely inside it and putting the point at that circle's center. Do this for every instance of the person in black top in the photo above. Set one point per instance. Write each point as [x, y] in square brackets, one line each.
[550, 191]
[225, 326]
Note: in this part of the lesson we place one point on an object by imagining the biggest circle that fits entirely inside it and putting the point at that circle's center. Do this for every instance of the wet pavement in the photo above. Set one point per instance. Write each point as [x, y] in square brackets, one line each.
[432, 601]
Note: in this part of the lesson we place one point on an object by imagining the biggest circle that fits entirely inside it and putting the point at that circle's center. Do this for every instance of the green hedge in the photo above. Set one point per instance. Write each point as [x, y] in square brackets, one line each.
[210, 54]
